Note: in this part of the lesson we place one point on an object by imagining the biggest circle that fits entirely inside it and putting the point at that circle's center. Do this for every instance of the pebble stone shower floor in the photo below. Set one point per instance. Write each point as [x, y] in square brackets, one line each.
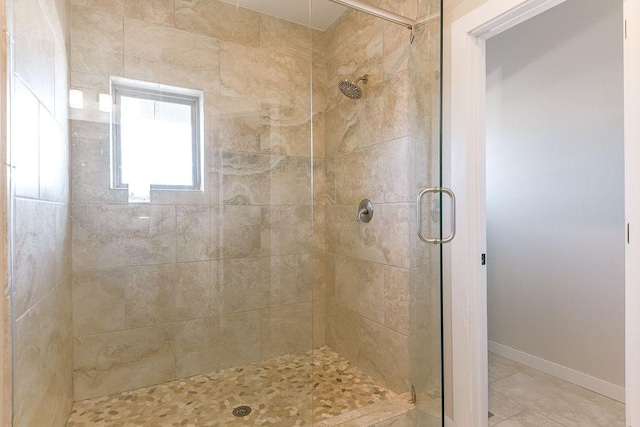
[279, 391]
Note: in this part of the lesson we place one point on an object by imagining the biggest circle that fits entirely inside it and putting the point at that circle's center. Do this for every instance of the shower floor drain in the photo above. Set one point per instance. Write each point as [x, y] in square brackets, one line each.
[242, 411]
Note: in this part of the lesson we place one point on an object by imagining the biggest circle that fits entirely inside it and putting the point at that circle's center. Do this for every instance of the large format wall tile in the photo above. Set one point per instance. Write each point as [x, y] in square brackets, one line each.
[166, 55]
[246, 284]
[384, 240]
[198, 233]
[287, 229]
[155, 11]
[38, 255]
[115, 7]
[246, 179]
[290, 180]
[167, 293]
[91, 173]
[279, 79]
[25, 132]
[98, 301]
[242, 232]
[106, 236]
[96, 42]
[212, 343]
[285, 329]
[35, 50]
[384, 354]
[360, 287]
[123, 360]
[54, 158]
[220, 20]
[43, 351]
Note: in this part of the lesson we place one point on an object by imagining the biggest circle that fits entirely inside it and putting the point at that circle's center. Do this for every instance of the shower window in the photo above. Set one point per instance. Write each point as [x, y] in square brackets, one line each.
[156, 137]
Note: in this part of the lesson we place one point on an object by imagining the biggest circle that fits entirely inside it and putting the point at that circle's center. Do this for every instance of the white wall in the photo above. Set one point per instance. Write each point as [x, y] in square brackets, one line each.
[555, 196]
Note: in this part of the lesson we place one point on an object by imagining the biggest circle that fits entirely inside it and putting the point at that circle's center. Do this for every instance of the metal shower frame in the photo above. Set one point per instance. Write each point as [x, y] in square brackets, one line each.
[410, 24]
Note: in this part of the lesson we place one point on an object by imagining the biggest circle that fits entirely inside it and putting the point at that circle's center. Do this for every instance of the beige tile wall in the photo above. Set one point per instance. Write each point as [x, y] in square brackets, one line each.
[268, 259]
[197, 281]
[42, 309]
[381, 282]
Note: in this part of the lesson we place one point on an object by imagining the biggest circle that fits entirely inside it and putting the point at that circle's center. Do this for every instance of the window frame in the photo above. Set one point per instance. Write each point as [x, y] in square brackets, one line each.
[161, 93]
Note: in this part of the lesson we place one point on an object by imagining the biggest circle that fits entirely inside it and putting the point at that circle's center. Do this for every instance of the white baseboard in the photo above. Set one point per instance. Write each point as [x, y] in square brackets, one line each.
[576, 377]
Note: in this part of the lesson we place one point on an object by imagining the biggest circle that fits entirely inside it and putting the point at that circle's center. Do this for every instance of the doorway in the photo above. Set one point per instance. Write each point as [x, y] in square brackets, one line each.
[469, 36]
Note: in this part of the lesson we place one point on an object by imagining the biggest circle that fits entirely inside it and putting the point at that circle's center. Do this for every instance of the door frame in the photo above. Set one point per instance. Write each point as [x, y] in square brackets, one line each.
[468, 163]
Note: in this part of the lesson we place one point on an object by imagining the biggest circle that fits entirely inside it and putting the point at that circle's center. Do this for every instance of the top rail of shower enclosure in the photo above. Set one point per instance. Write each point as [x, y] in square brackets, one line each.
[409, 23]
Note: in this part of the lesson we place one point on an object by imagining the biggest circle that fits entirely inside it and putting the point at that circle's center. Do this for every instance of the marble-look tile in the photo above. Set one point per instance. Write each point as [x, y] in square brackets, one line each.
[320, 277]
[89, 130]
[35, 50]
[330, 181]
[359, 175]
[342, 127]
[360, 287]
[98, 82]
[155, 11]
[530, 418]
[290, 180]
[61, 95]
[285, 329]
[343, 331]
[211, 343]
[171, 56]
[425, 348]
[242, 232]
[319, 229]
[563, 402]
[397, 299]
[220, 20]
[198, 233]
[384, 353]
[97, 43]
[115, 7]
[279, 79]
[98, 301]
[286, 131]
[399, 170]
[38, 250]
[319, 151]
[287, 230]
[246, 284]
[501, 367]
[123, 360]
[354, 48]
[291, 279]
[395, 93]
[234, 124]
[502, 407]
[168, 293]
[319, 323]
[284, 37]
[25, 149]
[106, 236]
[43, 357]
[54, 159]
[246, 179]
[319, 182]
[91, 173]
[384, 240]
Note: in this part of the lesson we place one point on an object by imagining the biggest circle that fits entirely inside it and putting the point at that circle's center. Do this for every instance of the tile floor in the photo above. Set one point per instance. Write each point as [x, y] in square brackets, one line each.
[520, 396]
[280, 392]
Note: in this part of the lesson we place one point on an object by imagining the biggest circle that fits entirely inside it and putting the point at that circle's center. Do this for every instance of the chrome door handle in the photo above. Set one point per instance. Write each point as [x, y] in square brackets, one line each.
[448, 192]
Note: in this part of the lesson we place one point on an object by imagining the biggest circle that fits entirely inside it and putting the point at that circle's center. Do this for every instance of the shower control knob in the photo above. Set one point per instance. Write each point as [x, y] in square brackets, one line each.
[365, 211]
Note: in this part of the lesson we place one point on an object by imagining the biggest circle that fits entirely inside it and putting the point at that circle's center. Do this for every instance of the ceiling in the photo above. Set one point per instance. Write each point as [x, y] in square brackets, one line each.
[324, 12]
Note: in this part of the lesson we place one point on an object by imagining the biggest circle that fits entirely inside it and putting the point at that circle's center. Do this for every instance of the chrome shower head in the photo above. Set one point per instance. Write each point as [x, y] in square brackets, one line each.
[351, 89]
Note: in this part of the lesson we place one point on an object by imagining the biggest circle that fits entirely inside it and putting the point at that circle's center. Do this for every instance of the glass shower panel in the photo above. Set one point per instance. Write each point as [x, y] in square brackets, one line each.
[382, 284]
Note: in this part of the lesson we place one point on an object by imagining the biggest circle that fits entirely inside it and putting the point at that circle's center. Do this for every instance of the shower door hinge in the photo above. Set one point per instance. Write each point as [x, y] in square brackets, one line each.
[414, 399]
[483, 259]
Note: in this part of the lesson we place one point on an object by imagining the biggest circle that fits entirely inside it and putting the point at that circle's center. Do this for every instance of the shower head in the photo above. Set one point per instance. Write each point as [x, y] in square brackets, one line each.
[350, 89]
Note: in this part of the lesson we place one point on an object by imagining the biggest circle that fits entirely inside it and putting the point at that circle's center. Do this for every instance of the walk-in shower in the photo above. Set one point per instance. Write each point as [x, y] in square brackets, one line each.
[188, 252]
